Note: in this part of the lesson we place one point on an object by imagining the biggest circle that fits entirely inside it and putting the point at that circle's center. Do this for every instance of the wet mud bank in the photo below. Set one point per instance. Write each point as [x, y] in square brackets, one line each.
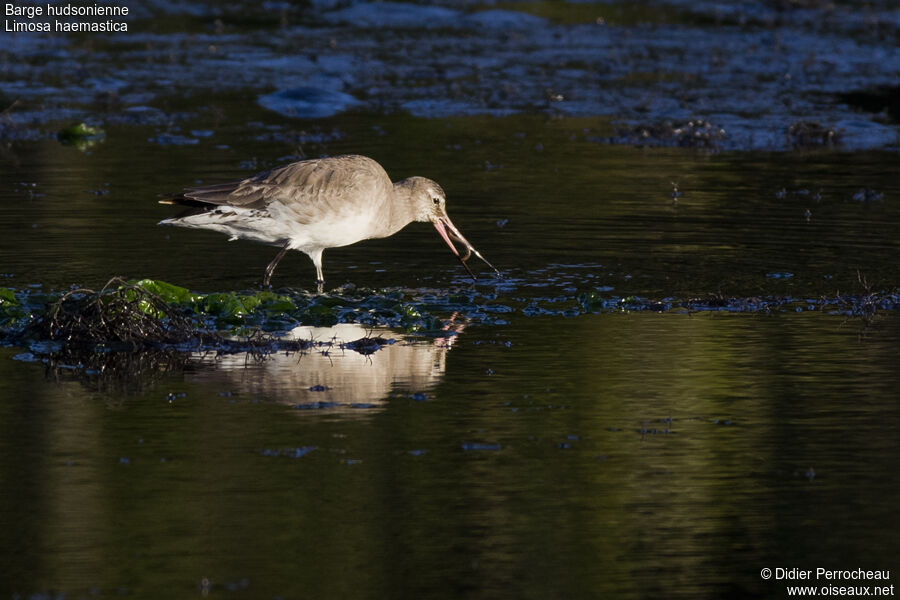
[741, 76]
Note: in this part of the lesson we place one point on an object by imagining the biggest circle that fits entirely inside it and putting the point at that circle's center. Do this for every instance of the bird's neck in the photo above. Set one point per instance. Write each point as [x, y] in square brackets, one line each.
[402, 208]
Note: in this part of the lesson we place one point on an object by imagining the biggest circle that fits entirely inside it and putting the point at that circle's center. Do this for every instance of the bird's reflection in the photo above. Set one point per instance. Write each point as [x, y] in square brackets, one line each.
[337, 373]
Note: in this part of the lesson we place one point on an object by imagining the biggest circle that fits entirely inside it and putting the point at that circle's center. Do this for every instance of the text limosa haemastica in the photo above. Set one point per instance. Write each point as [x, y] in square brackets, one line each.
[316, 204]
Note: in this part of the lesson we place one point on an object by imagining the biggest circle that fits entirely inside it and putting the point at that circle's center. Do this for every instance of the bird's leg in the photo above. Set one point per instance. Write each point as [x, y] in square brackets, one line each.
[270, 268]
[320, 277]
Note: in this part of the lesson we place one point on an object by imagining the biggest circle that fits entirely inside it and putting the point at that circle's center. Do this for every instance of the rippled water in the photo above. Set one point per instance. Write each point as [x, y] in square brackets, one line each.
[547, 440]
[536, 196]
[623, 455]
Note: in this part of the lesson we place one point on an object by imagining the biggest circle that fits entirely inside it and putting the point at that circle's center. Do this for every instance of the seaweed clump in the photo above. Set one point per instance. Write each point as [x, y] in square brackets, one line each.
[810, 134]
[122, 315]
[367, 345]
[696, 133]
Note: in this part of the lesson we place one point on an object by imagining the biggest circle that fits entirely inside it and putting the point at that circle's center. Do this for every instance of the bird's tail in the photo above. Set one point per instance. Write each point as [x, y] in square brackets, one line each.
[191, 207]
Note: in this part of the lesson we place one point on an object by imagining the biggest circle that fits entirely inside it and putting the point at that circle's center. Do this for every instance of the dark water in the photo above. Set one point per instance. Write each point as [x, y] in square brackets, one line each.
[615, 455]
[538, 453]
[534, 194]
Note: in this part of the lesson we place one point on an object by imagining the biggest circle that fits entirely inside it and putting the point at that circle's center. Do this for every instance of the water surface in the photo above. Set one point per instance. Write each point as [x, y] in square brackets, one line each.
[618, 455]
[687, 374]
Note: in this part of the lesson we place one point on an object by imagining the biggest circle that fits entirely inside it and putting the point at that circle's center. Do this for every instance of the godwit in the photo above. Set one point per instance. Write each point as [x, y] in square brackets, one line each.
[316, 204]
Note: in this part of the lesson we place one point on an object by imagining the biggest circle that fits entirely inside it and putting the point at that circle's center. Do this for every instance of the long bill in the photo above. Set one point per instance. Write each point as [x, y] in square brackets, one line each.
[447, 230]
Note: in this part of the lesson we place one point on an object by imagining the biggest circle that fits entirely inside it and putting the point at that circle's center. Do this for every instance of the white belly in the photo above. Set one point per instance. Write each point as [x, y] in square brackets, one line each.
[278, 225]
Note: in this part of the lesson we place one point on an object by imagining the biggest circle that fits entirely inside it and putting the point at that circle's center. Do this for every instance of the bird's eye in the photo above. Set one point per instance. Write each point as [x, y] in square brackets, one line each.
[436, 201]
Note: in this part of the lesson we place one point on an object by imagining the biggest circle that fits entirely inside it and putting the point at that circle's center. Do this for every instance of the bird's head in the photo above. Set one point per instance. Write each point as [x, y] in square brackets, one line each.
[430, 204]
[427, 199]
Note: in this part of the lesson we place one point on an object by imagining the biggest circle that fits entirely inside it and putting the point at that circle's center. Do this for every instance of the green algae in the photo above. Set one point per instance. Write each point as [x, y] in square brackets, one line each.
[81, 135]
[151, 313]
[14, 311]
[224, 308]
[167, 292]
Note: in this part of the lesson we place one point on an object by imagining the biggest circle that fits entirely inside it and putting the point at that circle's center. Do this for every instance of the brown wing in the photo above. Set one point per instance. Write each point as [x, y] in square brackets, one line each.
[302, 185]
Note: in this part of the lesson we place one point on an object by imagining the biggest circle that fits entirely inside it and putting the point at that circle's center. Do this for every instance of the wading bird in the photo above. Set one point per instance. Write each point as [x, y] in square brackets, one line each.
[316, 204]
